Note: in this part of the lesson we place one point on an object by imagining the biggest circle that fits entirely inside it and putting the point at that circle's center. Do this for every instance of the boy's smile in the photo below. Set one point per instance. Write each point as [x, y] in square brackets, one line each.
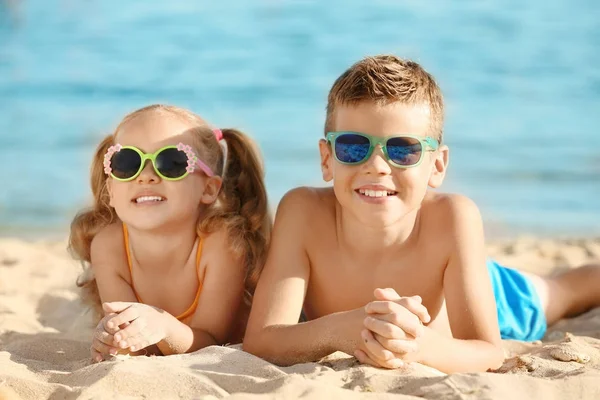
[375, 194]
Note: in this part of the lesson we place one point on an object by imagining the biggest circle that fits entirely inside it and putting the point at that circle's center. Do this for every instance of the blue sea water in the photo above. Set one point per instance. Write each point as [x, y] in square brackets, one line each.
[521, 82]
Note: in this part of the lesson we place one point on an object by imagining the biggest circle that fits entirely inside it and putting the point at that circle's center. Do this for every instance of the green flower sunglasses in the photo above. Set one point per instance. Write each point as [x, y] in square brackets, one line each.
[172, 163]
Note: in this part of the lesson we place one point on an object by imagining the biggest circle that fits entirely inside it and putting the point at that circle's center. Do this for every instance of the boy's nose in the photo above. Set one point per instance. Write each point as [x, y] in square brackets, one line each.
[377, 163]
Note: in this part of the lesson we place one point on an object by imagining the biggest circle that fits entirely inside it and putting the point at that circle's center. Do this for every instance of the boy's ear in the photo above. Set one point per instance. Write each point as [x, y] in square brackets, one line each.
[440, 165]
[325, 151]
[211, 190]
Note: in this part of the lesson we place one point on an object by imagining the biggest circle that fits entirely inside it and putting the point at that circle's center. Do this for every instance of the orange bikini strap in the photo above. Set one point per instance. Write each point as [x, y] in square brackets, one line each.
[194, 305]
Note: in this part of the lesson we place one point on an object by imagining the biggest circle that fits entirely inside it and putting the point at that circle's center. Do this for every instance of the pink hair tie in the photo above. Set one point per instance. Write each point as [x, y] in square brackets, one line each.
[218, 134]
[223, 144]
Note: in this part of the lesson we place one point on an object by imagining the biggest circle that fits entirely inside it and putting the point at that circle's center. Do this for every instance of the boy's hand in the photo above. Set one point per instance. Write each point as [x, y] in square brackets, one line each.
[392, 325]
[102, 341]
[146, 325]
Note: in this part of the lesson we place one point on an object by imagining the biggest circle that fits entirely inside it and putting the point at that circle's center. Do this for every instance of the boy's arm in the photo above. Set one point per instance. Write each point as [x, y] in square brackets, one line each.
[476, 343]
[273, 331]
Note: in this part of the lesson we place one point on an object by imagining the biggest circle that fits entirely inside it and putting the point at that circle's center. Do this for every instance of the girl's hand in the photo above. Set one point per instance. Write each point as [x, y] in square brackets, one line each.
[146, 324]
[102, 341]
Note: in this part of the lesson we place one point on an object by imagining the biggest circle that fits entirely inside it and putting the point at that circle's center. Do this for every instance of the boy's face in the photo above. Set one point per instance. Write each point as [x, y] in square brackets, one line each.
[375, 191]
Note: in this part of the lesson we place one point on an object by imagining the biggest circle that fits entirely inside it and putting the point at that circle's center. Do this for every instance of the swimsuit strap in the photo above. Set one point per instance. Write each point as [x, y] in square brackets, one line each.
[194, 305]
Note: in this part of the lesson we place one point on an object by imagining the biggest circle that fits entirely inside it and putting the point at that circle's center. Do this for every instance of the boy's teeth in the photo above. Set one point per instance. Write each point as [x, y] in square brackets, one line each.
[144, 199]
[375, 193]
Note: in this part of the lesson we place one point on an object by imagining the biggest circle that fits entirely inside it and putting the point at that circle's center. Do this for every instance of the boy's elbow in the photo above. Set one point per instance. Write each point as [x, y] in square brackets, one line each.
[497, 357]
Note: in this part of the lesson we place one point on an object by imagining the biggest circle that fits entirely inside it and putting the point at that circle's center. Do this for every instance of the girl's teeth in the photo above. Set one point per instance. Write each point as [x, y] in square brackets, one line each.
[144, 199]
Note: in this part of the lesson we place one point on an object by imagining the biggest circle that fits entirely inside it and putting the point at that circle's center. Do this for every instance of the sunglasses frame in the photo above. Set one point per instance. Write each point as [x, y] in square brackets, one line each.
[193, 161]
[428, 143]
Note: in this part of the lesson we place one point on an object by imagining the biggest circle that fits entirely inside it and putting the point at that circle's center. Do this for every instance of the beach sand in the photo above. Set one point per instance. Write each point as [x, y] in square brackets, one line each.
[45, 331]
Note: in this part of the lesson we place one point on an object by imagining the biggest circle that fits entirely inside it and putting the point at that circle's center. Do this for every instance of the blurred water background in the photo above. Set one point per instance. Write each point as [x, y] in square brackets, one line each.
[521, 82]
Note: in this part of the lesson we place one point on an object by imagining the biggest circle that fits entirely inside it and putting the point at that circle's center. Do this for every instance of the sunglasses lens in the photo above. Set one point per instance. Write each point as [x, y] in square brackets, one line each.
[125, 163]
[351, 148]
[172, 163]
[404, 151]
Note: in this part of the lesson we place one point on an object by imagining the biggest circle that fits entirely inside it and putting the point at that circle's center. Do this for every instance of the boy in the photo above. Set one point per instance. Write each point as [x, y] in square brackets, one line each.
[334, 250]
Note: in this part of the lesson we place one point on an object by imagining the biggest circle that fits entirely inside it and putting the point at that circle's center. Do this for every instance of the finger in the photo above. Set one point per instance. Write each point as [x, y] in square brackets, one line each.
[391, 363]
[102, 324]
[382, 326]
[129, 315]
[374, 349]
[139, 342]
[96, 356]
[382, 307]
[406, 321]
[116, 306]
[118, 328]
[397, 346]
[130, 331]
[147, 336]
[112, 330]
[103, 337]
[108, 316]
[103, 348]
[414, 305]
[363, 358]
[386, 294]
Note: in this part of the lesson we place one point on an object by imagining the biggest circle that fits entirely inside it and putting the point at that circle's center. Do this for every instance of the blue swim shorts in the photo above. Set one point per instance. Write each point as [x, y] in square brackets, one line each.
[520, 312]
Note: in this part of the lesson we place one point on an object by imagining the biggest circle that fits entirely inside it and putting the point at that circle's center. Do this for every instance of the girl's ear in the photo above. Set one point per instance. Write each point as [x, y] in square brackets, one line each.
[211, 190]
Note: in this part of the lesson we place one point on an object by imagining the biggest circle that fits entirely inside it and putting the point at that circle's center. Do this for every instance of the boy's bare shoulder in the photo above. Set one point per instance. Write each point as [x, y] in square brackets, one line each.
[308, 202]
[453, 202]
[449, 211]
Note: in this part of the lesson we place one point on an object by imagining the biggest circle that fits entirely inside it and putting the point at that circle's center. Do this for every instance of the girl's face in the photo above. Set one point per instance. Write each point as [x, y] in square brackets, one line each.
[149, 202]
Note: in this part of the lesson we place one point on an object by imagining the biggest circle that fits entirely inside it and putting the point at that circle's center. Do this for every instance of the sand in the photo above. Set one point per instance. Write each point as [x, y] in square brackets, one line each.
[45, 330]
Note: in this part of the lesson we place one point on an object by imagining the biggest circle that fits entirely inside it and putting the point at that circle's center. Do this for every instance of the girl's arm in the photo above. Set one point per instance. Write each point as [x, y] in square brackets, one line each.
[108, 262]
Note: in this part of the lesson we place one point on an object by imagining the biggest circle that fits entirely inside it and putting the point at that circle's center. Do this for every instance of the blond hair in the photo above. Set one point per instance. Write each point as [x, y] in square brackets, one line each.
[241, 207]
[386, 79]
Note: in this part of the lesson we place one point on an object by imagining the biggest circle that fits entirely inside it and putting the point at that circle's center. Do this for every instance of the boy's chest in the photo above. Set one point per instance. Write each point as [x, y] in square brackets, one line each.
[338, 282]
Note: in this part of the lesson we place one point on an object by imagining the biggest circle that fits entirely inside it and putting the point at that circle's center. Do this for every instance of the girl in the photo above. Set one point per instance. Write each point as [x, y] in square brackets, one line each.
[177, 235]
